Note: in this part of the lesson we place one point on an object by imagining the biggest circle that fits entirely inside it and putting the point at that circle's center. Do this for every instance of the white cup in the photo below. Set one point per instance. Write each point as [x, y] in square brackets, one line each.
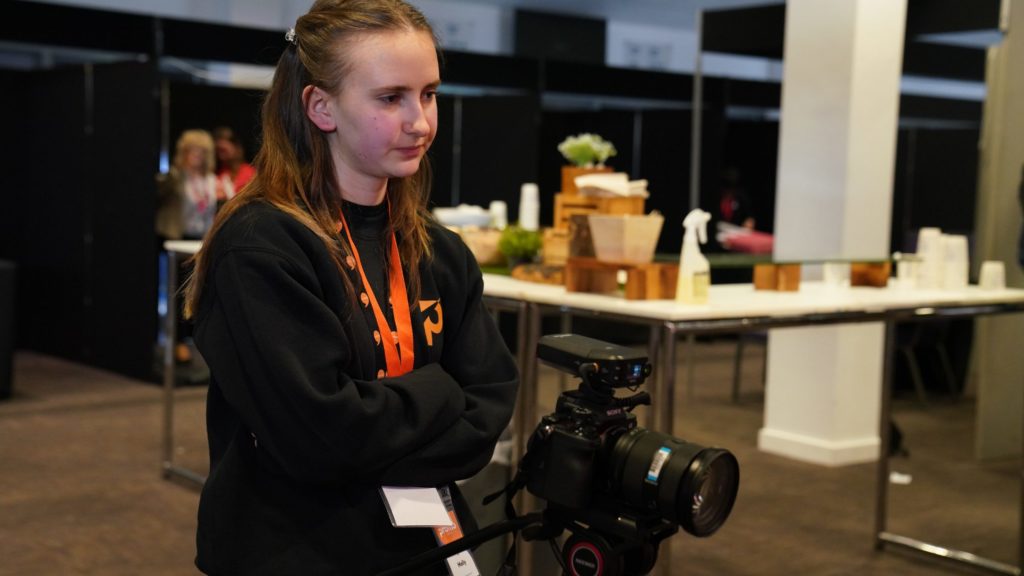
[956, 264]
[836, 274]
[992, 275]
[929, 250]
[907, 271]
[529, 206]
[499, 214]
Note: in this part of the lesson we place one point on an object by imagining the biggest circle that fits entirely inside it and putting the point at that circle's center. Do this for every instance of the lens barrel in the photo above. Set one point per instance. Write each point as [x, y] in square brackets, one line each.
[689, 484]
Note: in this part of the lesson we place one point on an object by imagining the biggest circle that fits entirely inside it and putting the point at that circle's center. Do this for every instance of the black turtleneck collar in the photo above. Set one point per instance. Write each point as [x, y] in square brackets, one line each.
[366, 222]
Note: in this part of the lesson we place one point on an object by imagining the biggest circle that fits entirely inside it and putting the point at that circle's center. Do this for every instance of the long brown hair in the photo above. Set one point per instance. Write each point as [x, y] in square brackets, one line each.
[294, 168]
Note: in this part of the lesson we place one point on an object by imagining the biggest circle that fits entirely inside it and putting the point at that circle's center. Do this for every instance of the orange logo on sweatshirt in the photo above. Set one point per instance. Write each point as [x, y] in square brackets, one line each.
[433, 319]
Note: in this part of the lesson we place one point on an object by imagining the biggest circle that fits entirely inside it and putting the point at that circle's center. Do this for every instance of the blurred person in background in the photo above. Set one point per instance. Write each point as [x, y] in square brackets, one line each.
[186, 204]
[233, 171]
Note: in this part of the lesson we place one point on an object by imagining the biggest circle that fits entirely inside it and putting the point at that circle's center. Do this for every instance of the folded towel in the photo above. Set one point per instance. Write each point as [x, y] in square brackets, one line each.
[610, 184]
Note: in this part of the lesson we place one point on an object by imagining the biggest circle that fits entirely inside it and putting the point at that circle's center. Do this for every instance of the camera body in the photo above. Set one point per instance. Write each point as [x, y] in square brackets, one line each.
[591, 461]
[570, 446]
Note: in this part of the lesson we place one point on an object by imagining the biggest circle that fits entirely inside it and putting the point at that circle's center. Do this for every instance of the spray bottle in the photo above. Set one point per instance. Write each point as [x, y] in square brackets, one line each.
[694, 270]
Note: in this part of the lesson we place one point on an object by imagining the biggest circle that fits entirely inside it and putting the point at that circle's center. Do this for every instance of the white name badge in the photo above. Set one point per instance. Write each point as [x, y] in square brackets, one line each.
[433, 507]
[409, 506]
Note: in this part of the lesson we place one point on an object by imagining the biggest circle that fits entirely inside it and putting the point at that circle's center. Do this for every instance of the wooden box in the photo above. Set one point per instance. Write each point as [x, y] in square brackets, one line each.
[556, 246]
[781, 277]
[874, 274]
[568, 205]
[652, 281]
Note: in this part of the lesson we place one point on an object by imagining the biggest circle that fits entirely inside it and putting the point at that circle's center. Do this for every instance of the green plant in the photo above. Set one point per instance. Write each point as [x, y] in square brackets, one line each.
[518, 244]
[586, 150]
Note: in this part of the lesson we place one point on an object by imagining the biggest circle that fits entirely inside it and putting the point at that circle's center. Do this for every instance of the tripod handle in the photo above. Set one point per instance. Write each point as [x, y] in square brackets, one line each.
[638, 399]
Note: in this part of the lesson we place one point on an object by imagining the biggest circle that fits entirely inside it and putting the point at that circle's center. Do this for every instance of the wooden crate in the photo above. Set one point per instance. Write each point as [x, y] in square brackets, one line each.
[651, 281]
[556, 246]
[567, 205]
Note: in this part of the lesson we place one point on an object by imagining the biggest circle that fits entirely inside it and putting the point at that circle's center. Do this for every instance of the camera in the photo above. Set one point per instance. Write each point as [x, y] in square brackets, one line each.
[618, 488]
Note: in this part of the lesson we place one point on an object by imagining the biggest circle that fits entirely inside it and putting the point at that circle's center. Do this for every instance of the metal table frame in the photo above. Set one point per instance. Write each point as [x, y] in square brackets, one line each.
[171, 470]
[663, 388]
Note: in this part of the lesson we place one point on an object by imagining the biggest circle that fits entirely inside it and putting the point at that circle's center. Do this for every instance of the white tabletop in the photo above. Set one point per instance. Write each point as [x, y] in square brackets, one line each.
[183, 246]
[742, 301]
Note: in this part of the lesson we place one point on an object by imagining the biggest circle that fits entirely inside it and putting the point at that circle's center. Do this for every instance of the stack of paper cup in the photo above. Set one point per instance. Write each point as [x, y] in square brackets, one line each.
[529, 206]
[929, 250]
[992, 276]
[907, 270]
[955, 265]
[836, 274]
[499, 214]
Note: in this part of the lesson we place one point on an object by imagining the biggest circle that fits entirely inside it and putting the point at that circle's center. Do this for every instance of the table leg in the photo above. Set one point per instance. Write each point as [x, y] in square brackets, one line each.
[170, 335]
[884, 437]
[565, 327]
[691, 345]
[883, 537]
[664, 394]
[519, 423]
[653, 355]
[170, 380]
[529, 335]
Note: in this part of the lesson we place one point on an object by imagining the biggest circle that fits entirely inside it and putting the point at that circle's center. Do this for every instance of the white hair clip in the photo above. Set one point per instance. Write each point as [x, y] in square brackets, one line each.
[290, 37]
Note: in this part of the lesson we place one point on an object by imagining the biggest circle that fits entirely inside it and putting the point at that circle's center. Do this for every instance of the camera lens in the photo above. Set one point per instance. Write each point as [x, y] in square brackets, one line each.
[689, 484]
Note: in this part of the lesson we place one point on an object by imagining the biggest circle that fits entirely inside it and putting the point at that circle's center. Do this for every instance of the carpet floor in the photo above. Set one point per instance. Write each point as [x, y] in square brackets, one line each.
[82, 490]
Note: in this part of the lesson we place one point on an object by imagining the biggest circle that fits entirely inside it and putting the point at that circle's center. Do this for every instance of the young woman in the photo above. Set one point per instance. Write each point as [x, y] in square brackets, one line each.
[346, 338]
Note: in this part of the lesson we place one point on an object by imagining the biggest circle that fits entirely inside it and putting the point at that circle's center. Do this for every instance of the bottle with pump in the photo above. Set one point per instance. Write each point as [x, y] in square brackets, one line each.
[694, 270]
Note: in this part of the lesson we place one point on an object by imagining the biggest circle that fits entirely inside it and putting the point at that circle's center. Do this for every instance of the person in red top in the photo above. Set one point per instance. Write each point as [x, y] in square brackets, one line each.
[233, 172]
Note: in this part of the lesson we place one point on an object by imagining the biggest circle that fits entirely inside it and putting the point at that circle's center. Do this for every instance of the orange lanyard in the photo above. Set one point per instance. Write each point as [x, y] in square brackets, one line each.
[398, 347]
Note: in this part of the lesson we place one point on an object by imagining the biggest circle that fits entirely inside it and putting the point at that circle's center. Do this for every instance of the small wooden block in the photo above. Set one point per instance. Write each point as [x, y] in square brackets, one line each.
[766, 277]
[781, 277]
[650, 281]
[654, 281]
[874, 274]
[589, 279]
[788, 278]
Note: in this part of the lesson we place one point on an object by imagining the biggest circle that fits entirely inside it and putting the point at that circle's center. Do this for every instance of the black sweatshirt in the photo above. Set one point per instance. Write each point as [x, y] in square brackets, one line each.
[301, 431]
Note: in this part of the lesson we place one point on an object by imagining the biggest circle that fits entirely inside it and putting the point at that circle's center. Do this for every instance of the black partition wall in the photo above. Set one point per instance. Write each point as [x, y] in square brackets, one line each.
[84, 214]
[206, 107]
[492, 151]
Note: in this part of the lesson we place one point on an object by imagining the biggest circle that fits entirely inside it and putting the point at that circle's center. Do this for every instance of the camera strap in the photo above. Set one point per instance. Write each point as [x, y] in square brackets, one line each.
[398, 344]
[508, 568]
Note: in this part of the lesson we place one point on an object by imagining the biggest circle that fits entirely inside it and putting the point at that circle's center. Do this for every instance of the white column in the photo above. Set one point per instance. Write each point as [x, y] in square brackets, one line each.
[997, 361]
[837, 142]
